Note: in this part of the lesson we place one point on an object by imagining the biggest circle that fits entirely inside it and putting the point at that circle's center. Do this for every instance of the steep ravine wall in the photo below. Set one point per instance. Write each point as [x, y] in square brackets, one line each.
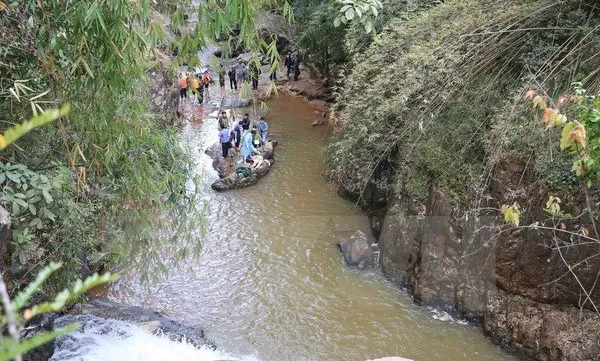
[512, 282]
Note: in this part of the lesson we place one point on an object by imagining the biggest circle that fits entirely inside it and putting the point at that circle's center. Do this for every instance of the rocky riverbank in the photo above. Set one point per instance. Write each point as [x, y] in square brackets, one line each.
[515, 284]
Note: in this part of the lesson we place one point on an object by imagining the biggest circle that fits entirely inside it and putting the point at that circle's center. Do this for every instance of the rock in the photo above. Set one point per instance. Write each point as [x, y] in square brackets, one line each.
[236, 180]
[274, 26]
[151, 321]
[245, 57]
[38, 324]
[229, 179]
[357, 251]
[163, 94]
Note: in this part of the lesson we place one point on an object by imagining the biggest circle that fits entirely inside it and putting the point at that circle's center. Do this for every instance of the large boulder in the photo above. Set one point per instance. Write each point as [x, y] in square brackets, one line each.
[274, 26]
[163, 95]
[151, 321]
[357, 251]
[235, 180]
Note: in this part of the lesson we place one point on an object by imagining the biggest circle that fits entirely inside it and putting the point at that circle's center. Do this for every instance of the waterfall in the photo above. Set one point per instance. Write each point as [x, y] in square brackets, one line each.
[101, 339]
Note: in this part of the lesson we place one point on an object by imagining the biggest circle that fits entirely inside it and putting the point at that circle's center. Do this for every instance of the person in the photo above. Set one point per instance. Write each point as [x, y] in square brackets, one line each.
[246, 122]
[239, 70]
[289, 63]
[256, 139]
[248, 147]
[244, 73]
[262, 129]
[206, 81]
[296, 67]
[183, 87]
[254, 73]
[196, 84]
[273, 75]
[223, 121]
[221, 77]
[232, 78]
[238, 135]
[224, 138]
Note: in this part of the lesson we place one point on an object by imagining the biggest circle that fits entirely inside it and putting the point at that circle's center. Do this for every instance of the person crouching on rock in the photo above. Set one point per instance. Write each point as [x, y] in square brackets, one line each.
[224, 138]
[223, 121]
[248, 147]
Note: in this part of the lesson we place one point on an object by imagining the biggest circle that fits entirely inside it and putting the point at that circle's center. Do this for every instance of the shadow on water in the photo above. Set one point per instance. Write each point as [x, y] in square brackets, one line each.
[270, 281]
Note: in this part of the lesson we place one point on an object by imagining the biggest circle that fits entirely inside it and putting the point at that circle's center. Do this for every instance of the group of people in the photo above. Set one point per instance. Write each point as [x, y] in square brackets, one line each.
[242, 73]
[292, 62]
[238, 73]
[243, 136]
[199, 84]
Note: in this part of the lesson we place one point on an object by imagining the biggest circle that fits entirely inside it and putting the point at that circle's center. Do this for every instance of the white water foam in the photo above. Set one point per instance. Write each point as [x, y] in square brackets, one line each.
[111, 340]
[445, 316]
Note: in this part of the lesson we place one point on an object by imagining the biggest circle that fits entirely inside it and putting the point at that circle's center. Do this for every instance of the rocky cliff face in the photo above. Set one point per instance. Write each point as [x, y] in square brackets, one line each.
[163, 95]
[516, 282]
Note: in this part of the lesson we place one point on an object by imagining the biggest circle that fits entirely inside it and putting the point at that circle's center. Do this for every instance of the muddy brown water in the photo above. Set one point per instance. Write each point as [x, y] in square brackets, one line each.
[270, 282]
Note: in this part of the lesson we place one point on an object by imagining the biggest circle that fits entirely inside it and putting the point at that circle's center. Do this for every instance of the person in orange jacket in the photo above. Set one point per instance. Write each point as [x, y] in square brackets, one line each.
[183, 87]
[197, 85]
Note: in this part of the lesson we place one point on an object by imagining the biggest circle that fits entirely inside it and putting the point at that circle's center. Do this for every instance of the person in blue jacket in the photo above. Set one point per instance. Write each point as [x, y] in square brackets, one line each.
[247, 147]
[262, 129]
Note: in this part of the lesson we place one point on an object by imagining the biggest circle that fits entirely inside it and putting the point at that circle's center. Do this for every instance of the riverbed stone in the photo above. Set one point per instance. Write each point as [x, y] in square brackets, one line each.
[357, 250]
[226, 168]
[274, 26]
[258, 169]
[151, 321]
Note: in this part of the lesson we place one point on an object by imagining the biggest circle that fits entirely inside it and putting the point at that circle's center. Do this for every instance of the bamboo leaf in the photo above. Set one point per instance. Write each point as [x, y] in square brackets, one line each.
[15, 132]
[24, 296]
[10, 350]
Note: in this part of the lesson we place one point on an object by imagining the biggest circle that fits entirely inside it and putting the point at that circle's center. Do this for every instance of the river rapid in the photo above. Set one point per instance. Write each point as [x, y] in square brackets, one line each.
[270, 283]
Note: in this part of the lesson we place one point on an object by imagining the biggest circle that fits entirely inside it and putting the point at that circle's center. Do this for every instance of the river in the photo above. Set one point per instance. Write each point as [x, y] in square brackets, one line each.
[271, 284]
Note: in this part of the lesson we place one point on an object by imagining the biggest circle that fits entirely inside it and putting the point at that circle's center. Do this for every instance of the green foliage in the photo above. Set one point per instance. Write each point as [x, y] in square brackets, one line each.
[11, 347]
[318, 36]
[361, 12]
[433, 94]
[119, 175]
[582, 137]
[28, 197]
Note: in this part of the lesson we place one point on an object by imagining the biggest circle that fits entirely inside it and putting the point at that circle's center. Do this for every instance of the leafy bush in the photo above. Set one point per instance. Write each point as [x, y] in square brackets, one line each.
[434, 93]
